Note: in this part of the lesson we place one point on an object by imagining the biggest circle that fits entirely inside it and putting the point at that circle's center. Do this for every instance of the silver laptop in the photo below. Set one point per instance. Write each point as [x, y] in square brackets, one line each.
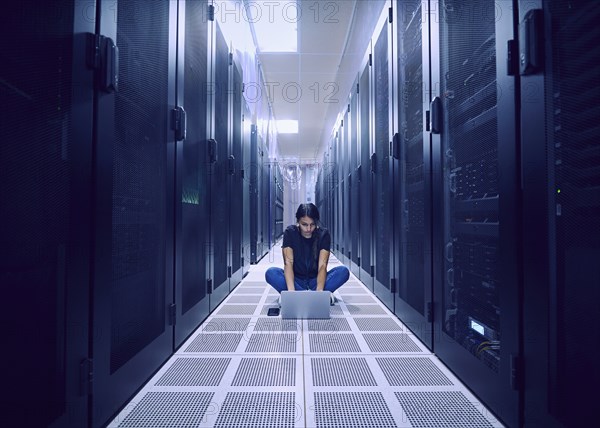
[305, 304]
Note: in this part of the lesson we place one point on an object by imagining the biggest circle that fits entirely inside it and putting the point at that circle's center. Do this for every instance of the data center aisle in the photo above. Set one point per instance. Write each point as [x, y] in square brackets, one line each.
[361, 368]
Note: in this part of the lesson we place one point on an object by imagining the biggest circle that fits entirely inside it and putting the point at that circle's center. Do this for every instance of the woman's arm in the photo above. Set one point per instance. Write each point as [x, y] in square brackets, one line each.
[322, 269]
[288, 267]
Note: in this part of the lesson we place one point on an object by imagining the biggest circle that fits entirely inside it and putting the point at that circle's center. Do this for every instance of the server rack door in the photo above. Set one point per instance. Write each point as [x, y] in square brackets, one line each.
[365, 174]
[247, 187]
[219, 174]
[266, 203]
[45, 182]
[412, 180]
[561, 183]
[338, 219]
[382, 176]
[260, 200]
[278, 203]
[354, 184]
[344, 168]
[332, 168]
[341, 182]
[475, 233]
[132, 278]
[262, 211]
[191, 221]
[254, 194]
[347, 187]
[235, 176]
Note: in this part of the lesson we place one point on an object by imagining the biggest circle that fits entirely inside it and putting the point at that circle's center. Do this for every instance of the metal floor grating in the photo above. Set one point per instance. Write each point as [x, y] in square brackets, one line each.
[258, 409]
[195, 372]
[352, 409]
[168, 409]
[360, 368]
[265, 372]
[440, 409]
[341, 372]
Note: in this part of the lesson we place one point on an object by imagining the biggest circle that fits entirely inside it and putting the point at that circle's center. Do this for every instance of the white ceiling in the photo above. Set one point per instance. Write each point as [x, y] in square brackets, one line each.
[306, 85]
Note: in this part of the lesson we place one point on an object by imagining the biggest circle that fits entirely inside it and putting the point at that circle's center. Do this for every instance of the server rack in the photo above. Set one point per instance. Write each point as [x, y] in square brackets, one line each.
[561, 209]
[344, 187]
[364, 171]
[475, 230]
[412, 180]
[254, 195]
[46, 181]
[381, 163]
[354, 200]
[278, 207]
[265, 201]
[335, 166]
[247, 187]
[235, 175]
[134, 158]
[191, 214]
[219, 173]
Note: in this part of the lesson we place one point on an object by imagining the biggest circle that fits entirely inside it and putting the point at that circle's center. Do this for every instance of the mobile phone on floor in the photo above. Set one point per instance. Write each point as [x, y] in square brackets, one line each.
[273, 312]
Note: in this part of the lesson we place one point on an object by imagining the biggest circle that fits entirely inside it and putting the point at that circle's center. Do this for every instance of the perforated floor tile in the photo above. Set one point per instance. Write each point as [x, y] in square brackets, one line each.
[335, 342]
[249, 292]
[440, 409]
[258, 409]
[195, 372]
[351, 409]
[273, 342]
[341, 372]
[350, 298]
[277, 324]
[360, 309]
[412, 371]
[217, 324]
[265, 372]
[236, 310]
[377, 324]
[245, 298]
[330, 325]
[390, 342]
[215, 342]
[168, 409]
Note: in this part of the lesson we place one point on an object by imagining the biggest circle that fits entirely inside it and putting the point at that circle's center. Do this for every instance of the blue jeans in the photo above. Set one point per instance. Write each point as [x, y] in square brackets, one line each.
[336, 277]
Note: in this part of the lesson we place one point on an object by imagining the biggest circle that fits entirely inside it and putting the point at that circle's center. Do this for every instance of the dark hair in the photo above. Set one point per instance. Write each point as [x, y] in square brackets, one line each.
[310, 210]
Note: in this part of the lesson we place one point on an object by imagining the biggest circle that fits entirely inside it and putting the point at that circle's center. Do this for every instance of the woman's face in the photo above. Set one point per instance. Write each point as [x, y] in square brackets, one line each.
[307, 226]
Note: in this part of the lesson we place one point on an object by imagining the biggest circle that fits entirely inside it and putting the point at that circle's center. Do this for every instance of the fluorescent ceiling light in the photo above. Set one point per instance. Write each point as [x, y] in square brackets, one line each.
[275, 24]
[287, 126]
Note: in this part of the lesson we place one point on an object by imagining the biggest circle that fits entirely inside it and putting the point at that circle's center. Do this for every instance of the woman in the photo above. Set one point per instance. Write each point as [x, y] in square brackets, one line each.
[305, 256]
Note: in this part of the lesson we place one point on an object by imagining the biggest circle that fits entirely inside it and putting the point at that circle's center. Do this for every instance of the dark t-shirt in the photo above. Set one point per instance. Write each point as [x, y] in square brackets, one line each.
[305, 264]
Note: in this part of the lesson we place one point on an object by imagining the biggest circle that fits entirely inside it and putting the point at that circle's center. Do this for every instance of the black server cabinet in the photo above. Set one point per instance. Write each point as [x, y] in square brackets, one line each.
[267, 215]
[354, 200]
[219, 172]
[412, 180]
[254, 195]
[235, 177]
[133, 206]
[246, 187]
[278, 189]
[45, 181]
[560, 133]
[381, 165]
[337, 224]
[344, 207]
[348, 181]
[364, 172]
[476, 241]
[191, 214]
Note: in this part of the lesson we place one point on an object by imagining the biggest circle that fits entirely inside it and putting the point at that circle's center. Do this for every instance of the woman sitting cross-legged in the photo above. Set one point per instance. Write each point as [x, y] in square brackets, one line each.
[305, 256]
